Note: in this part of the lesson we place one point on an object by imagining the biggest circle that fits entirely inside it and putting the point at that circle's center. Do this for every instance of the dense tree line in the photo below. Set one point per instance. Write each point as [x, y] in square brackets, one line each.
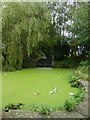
[52, 31]
[71, 21]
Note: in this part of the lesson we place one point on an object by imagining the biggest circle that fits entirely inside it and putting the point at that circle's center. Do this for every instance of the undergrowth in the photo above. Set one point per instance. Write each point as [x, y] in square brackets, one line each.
[71, 104]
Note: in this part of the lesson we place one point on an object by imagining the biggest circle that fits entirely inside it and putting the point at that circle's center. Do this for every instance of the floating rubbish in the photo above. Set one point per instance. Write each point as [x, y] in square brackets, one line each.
[36, 93]
[70, 93]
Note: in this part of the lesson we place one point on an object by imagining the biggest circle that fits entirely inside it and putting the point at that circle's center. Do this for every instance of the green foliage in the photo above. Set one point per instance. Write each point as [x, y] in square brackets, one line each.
[61, 49]
[27, 25]
[13, 107]
[70, 62]
[83, 63]
[56, 64]
[79, 96]
[74, 19]
[23, 26]
[3, 61]
[74, 81]
[43, 109]
[8, 68]
[62, 64]
[70, 104]
[79, 26]
[82, 70]
[72, 78]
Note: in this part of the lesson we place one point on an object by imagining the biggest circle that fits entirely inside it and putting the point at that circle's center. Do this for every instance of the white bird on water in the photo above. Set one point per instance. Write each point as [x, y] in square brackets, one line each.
[51, 92]
[54, 89]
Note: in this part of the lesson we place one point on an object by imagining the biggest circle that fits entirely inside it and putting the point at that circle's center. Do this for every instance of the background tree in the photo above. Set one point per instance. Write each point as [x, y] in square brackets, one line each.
[24, 25]
[55, 31]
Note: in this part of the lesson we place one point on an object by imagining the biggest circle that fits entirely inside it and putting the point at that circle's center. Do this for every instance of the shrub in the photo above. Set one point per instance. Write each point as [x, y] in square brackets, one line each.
[84, 63]
[72, 78]
[62, 64]
[68, 62]
[8, 68]
[56, 64]
[82, 72]
[80, 96]
[82, 69]
[76, 83]
[43, 109]
[70, 104]
[13, 107]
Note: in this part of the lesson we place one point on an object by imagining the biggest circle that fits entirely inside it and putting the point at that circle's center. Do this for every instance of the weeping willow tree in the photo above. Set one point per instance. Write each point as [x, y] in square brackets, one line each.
[23, 26]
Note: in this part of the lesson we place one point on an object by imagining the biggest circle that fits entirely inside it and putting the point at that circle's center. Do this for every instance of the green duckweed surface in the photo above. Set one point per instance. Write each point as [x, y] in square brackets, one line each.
[22, 85]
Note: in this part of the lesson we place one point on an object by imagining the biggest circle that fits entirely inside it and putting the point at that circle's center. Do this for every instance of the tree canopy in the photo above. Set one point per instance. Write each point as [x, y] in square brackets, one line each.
[23, 26]
[35, 30]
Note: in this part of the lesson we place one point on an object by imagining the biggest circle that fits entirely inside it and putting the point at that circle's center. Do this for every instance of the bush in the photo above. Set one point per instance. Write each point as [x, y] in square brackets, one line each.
[76, 83]
[82, 72]
[61, 64]
[72, 78]
[70, 104]
[43, 109]
[80, 96]
[56, 64]
[84, 63]
[13, 107]
[70, 62]
[8, 68]
[83, 69]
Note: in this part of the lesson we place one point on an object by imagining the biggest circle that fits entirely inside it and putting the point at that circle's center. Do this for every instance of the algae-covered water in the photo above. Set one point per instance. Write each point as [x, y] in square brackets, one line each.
[32, 86]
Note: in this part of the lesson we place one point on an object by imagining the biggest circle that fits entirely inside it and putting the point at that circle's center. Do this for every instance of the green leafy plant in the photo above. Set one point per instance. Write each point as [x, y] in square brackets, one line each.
[13, 107]
[79, 96]
[70, 104]
[83, 63]
[43, 109]
[76, 83]
[72, 78]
